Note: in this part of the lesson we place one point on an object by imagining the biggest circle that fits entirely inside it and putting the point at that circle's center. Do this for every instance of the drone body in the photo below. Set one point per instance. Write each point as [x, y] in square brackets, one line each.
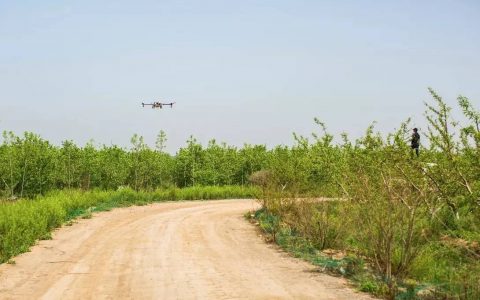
[158, 104]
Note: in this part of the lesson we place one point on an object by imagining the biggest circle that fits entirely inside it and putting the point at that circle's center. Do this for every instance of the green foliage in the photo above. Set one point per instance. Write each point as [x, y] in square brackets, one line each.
[31, 166]
[416, 221]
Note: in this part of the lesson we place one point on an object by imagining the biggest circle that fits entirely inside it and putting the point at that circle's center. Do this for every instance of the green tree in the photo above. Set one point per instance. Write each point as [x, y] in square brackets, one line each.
[161, 141]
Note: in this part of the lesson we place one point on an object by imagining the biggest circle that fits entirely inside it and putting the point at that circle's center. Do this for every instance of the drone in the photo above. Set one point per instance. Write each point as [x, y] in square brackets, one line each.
[158, 104]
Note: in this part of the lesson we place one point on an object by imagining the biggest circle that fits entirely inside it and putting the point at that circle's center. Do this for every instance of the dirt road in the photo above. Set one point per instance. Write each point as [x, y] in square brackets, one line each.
[175, 250]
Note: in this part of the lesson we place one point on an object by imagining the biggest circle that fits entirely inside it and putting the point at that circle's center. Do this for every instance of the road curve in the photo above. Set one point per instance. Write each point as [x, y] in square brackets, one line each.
[173, 250]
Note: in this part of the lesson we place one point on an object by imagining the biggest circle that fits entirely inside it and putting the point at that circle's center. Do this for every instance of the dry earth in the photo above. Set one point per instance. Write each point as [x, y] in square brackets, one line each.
[174, 250]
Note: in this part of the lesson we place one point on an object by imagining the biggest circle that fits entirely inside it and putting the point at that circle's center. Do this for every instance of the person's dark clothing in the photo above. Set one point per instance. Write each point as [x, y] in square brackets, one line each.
[415, 142]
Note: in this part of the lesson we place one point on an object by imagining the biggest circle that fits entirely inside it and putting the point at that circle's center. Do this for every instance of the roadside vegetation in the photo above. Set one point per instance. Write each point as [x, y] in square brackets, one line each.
[399, 226]
[31, 166]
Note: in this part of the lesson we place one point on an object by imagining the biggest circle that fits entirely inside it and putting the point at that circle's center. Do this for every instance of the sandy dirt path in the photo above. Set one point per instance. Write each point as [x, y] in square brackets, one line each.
[174, 250]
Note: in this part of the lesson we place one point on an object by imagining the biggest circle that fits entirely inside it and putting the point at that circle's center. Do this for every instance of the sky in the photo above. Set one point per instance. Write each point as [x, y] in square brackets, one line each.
[239, 71]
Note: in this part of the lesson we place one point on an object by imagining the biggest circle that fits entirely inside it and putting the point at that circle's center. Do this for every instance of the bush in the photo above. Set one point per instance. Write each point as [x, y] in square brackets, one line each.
[413, 219]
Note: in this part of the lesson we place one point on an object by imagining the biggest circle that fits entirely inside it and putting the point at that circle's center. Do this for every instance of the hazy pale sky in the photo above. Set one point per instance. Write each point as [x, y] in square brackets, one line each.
[240, 71]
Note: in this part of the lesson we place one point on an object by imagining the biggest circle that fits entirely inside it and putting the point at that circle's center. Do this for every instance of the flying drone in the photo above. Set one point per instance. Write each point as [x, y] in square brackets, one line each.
[158, 104]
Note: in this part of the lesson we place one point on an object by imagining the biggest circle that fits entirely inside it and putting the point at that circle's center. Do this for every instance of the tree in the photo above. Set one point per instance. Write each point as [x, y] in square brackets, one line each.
[161, 141]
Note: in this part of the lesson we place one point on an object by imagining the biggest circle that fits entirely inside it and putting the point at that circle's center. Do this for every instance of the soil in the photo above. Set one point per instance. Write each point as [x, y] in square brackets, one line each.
[173, 250]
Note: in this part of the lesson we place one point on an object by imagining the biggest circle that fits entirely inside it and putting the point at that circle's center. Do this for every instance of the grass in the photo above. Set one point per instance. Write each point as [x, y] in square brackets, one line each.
[23, 222]
[347, 265]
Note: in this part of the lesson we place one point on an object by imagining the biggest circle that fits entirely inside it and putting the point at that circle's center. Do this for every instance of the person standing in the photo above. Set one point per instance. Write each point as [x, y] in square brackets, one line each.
[415, 142]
